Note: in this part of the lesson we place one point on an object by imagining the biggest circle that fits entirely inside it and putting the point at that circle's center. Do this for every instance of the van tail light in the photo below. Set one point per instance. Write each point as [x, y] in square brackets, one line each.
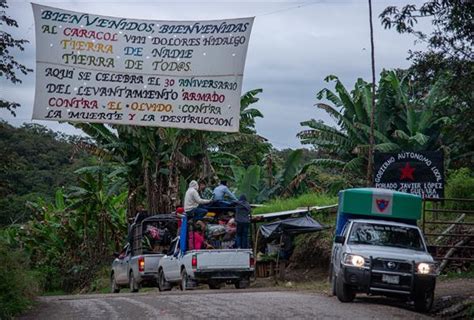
[141, 264]
[252, 261]
[194, 261]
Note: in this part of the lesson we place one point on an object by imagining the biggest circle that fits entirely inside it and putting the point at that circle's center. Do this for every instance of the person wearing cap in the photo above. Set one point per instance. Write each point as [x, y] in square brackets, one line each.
[242, 218]
[192, 202]
[180, 214]
[222, 192]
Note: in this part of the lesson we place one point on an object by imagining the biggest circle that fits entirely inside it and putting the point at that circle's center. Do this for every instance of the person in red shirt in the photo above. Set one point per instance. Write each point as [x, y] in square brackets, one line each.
[196, 239]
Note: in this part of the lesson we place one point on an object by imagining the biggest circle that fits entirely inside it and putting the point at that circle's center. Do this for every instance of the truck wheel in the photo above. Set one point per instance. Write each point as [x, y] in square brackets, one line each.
[184, 280]
[163, 285]
[344, 292]
[424, 300]
[332, 280]
[134, 287]
[214, 285]
[333, 285]
[114, 287]
[242, 284]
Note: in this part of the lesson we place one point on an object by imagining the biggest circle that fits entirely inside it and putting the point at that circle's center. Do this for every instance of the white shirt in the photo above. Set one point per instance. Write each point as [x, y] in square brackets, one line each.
[192, 199]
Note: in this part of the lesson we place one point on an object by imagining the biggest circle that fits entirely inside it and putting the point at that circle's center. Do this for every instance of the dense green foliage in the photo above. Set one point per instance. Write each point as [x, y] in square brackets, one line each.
[34, 162]
[303, 201]
[18, 285]
[70, 238]
[460, 185]
[447, 62]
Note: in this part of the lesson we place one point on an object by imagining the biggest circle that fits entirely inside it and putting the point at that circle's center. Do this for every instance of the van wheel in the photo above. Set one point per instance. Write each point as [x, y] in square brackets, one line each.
[134, 286]
[343, 291]
[424, 301]
[163, 285]
[184, 280]
[114, 287]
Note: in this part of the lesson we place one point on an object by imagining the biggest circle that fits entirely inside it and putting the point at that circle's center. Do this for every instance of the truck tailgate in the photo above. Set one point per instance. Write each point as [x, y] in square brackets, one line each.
[223, 259]
[151, 262]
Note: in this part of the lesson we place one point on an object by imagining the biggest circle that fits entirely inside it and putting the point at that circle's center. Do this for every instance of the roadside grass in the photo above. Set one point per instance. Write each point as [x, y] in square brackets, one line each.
[321, 286]
[305, 200]
[101, 282]
[469, 274]
[54, 293]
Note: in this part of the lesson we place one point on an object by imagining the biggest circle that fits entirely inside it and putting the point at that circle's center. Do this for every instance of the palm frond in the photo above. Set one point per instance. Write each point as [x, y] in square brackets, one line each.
[326, 163]
[387, 147]
[355, 165]
[329, 95]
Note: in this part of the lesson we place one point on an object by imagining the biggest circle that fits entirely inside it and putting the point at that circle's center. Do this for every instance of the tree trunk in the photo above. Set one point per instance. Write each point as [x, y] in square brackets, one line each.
[131, 201]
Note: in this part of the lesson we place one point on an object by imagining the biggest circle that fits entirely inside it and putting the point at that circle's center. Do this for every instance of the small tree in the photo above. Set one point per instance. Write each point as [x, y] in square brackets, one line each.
[9, 67]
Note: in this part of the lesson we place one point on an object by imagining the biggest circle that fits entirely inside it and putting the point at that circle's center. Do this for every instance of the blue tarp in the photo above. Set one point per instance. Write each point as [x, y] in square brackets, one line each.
[183, 235]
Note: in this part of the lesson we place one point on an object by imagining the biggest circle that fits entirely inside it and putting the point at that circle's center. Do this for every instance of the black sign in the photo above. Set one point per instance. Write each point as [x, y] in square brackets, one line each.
[420, 173]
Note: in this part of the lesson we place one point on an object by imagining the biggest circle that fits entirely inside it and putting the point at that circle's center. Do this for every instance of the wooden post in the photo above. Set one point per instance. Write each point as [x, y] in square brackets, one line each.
[372, 112]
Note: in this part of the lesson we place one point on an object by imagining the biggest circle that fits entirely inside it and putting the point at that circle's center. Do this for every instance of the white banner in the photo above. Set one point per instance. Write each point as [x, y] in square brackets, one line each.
[183, 74]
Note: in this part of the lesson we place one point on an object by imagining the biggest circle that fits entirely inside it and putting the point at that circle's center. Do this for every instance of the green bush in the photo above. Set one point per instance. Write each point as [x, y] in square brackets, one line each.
[18, 285]
[460, 184]
[302, 201]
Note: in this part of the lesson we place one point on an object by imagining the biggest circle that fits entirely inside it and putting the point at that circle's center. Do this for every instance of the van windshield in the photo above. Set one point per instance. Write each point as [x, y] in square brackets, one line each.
[386, 235]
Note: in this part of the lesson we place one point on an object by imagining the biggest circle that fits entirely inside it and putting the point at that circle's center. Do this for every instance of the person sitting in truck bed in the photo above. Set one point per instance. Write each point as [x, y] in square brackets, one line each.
[196, 237]
[192, 202]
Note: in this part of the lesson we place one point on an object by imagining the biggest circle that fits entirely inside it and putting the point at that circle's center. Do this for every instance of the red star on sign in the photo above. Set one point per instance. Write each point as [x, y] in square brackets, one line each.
[407, 173]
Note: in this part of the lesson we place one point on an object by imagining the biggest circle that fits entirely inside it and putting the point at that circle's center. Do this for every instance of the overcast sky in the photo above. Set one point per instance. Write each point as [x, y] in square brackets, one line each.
[294, 45]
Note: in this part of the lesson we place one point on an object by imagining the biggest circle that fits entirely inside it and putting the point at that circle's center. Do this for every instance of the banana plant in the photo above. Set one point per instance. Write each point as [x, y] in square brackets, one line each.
[402, 122]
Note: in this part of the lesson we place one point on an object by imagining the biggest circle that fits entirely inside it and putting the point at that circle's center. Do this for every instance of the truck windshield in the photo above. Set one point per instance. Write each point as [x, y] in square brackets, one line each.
[386, 235]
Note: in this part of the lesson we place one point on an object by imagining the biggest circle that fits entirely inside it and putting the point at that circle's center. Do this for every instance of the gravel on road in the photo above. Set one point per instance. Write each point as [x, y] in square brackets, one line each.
[207, 304]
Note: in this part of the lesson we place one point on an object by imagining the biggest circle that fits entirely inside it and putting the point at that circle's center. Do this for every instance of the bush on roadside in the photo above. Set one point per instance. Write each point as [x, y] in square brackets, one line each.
[18, 284]
[460, 185]
[313, 250]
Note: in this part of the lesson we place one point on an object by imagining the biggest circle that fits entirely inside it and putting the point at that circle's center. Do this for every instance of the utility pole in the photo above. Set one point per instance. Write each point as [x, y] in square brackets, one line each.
[372, 111]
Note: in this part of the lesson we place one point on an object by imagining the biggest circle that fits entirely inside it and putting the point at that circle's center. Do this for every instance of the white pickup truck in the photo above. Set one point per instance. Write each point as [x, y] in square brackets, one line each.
[148, 240]
[379, 250]
[213, 267]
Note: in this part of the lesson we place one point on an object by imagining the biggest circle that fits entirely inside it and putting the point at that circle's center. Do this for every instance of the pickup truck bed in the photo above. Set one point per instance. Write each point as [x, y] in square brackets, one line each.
[127, 271]
[212, 267]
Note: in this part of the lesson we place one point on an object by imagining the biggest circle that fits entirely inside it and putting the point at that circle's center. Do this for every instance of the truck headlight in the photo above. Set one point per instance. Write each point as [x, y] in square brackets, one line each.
[354, 260]
[425, 268]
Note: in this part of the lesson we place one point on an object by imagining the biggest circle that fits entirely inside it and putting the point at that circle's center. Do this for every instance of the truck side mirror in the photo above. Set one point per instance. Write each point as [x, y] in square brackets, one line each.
[433, 250]
[340, 239]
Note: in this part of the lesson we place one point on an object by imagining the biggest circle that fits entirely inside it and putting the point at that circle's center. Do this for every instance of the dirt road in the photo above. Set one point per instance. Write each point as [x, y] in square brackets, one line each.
[205, 304]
